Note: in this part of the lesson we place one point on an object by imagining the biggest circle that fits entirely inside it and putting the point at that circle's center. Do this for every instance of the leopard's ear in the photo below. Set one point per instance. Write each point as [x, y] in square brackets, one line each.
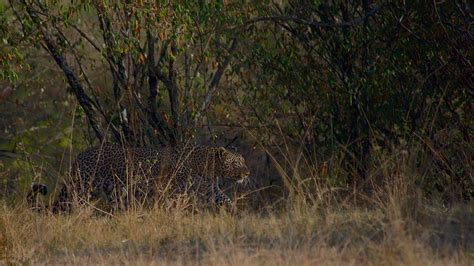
[220, 152]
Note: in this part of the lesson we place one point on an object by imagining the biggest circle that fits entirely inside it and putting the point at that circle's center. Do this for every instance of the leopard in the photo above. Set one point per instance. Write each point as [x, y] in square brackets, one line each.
[112, 172]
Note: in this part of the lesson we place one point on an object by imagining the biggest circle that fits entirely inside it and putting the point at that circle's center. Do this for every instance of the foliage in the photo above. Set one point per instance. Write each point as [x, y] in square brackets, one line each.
[389, 73]
[338, 83]
[153, 52]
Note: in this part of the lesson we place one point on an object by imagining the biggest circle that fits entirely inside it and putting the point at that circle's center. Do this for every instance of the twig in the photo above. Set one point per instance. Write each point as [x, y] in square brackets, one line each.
[318, 23]
[215, 81]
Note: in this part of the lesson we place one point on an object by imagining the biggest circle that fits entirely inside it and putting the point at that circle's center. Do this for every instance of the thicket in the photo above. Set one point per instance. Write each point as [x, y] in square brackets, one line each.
[327, 91]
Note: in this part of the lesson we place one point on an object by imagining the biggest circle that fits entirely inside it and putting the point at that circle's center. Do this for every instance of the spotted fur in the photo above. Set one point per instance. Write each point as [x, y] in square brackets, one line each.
[112, 172]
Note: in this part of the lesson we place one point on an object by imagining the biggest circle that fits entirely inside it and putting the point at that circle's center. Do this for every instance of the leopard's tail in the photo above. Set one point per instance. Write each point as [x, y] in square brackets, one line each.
[62, 204]
[31, 197]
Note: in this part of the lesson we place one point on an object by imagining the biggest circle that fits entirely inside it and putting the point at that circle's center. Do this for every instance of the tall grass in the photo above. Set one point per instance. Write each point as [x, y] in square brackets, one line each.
[315, 223]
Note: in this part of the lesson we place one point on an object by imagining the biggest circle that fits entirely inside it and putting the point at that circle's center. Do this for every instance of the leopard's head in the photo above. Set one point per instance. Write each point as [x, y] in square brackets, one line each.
[232, 165]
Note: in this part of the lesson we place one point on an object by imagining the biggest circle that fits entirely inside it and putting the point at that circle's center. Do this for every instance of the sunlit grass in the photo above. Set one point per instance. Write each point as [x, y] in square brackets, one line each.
[311, 223]
[293, 236]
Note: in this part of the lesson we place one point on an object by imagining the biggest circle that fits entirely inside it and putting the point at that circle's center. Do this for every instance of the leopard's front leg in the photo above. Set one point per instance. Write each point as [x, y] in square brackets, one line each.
[220, 198]
[207, 190]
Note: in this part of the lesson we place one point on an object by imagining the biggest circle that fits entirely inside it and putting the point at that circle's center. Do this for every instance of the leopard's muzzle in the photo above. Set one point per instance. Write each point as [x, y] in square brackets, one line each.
[244, 178]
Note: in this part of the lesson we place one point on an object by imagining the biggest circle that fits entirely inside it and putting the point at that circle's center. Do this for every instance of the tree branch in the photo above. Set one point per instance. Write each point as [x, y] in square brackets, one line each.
[83, 99]
[117, 67]
[173, 90]
[215, 81]
[153, 75]
[319, 23]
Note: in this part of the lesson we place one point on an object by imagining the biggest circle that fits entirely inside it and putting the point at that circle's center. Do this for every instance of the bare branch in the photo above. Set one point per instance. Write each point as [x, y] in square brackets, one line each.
[318, 23]
[168, 81]
[173, 90]
[118, 71]
[153, 75]
[84, 100]
[215, 81]
[152, 80]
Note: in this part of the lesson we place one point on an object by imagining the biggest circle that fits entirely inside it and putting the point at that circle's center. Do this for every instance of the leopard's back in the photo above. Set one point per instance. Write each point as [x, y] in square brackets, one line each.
[106, 171]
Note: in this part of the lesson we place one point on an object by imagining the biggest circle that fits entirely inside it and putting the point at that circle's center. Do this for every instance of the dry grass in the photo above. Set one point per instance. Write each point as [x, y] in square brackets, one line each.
[295, 235]
[392, 225]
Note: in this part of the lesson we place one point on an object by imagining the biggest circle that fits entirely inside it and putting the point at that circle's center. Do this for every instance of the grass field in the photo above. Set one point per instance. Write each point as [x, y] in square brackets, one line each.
[310, 223]
[306, 221]
[391, 230]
